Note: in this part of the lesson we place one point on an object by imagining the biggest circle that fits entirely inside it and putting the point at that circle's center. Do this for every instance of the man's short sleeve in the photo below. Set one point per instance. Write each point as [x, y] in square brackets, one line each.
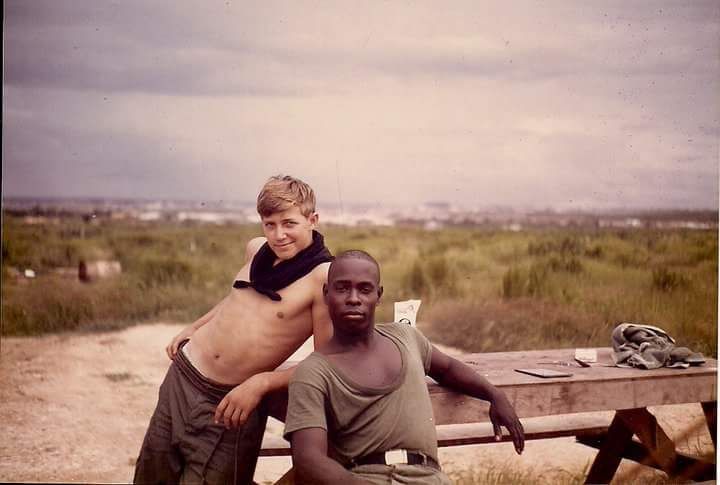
[306, 408]
[424, 346]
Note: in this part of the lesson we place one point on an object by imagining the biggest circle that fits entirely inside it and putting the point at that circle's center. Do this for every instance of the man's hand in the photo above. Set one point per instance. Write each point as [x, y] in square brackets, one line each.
[239, 403]
[450, 372]
[172, 347]
[503, 414]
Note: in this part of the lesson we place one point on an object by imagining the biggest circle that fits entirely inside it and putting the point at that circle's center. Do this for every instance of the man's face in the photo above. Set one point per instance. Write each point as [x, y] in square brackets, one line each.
[288, 232]
[352, 292]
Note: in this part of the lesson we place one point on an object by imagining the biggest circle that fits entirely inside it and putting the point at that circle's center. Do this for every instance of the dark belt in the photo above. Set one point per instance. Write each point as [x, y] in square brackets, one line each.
[379, 458]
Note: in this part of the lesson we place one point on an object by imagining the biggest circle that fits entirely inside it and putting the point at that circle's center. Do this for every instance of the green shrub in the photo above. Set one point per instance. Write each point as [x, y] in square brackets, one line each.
[442, 275]
[518, 282]
[50, 308]
[521, 323]
[666, 280]
[567, 246]
[537, 278]
[569, 265]
[159, 272]
[417, 281]
[595, 252]
[431, 277]
[513, 283]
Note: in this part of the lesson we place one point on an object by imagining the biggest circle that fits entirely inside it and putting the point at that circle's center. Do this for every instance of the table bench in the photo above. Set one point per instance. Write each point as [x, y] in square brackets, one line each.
[559, 407]
[588, 427]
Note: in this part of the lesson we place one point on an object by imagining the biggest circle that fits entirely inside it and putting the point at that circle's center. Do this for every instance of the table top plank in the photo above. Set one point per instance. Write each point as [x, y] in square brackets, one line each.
[597, 388]
[499, 367]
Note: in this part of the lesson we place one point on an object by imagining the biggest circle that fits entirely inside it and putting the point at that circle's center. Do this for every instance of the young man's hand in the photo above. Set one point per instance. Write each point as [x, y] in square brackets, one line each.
[503, 414]
[187, 332]
[239, 403]
[172, 347]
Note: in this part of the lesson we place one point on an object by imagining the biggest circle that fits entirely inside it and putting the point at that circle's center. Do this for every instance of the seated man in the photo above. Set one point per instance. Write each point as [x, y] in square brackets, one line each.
[363, 394]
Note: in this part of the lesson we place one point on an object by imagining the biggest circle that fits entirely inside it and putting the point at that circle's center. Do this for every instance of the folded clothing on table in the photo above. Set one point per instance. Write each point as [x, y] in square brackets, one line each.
[649, 347]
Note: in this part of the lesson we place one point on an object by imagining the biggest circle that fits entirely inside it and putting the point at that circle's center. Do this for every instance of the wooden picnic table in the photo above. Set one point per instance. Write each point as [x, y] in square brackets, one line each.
[601, 387]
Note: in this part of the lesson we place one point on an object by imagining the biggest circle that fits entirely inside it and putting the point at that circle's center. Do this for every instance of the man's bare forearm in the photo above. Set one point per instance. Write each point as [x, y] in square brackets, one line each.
[277, 380]
[454, 374]
[323, 470]
[311, 460]
[462, 378]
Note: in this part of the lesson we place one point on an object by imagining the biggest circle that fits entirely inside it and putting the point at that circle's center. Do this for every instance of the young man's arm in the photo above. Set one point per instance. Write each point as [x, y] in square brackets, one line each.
[322, 324]
[241, 401]
[452, 373]
[187, 332]
[311, 462]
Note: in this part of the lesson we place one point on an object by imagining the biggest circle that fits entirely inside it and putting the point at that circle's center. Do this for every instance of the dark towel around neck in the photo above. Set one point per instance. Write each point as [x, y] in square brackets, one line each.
[267, 279]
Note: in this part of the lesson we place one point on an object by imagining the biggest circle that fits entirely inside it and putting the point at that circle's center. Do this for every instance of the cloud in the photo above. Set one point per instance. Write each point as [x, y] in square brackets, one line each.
[144, 47]
[517, 103]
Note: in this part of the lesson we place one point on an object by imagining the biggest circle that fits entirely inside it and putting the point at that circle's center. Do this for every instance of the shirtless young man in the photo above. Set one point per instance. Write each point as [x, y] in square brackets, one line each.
[363, 394]
[207, 426]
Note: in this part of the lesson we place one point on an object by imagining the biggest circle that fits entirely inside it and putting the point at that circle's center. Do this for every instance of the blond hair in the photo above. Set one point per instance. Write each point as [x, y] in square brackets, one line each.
[281, 192]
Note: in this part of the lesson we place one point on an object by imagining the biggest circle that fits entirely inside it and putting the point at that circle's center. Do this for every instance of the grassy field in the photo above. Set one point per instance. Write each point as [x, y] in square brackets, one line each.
[482, 290]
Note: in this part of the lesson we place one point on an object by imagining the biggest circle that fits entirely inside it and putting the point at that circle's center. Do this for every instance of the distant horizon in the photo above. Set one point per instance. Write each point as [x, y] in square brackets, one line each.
[359, 205]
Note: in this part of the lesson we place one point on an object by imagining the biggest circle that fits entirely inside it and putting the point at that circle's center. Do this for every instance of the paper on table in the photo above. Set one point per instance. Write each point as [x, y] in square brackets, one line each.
[406, 311]
[586, 355]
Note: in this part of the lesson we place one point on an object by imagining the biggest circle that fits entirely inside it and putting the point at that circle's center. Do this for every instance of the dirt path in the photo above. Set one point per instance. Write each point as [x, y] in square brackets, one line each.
[73, 408]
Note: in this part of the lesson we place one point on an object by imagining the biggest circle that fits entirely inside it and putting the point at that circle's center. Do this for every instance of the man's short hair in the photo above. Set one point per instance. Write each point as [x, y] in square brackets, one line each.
[281, 192]
[355, 254]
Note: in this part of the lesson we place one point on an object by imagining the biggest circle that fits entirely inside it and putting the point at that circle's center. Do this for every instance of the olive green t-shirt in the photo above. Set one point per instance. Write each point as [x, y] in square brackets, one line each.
[360, 420]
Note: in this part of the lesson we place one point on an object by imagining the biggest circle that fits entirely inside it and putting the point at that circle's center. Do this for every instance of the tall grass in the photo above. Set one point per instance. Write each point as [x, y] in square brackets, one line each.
[481, 289]
[509, 475]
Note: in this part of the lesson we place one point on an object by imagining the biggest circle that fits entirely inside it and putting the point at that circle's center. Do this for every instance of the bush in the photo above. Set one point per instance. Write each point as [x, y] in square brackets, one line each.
[432, 277]
[513, 283]
[416, 280]
[666, 280]
[569, 245]
[163, 271]
[572, 265]
[596, 252]
[522, 323]
[536, 279]
[50, 308]
[442, 276]
[518, 282]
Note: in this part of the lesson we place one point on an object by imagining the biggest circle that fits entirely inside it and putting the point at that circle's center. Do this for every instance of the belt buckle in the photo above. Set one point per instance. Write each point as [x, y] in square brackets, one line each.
[395, 457]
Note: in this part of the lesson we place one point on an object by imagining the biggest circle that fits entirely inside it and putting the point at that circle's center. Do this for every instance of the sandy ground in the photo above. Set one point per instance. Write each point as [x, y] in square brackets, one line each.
[73, 408]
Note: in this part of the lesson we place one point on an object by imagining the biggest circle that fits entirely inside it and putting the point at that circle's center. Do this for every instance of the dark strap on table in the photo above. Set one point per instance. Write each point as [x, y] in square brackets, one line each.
[414, 458]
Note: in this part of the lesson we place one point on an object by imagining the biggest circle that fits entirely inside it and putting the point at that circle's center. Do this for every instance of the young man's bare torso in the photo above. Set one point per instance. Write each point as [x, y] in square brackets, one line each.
[247, 333]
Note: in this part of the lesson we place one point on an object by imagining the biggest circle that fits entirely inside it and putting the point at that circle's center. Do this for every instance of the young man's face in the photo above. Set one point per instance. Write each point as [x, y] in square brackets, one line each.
[288, 232]
[352, 292]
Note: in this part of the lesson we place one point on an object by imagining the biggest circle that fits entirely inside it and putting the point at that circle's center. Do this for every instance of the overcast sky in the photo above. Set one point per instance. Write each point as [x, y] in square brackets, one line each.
[545, 104]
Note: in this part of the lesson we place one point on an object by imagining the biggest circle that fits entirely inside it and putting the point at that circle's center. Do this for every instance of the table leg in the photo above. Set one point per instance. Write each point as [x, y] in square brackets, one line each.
[608, 458]
[287, 479]
[661, 449]
[655, 448]
[276, 404]
[710, 410]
